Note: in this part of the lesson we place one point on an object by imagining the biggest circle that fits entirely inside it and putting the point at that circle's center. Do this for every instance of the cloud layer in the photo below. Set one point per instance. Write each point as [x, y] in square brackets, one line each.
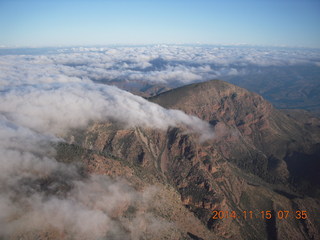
[58, 107]
[158, 64]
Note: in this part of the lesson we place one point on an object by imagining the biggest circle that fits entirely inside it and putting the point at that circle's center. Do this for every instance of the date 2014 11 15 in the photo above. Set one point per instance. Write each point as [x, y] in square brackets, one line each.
[281, 214]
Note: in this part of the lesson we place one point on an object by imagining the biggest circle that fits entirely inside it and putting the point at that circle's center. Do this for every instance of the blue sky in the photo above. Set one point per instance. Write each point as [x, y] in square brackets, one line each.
[70, 22]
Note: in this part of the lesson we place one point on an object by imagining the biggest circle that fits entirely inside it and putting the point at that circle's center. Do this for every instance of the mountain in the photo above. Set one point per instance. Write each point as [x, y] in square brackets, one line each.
[256, 136]
[261, 161]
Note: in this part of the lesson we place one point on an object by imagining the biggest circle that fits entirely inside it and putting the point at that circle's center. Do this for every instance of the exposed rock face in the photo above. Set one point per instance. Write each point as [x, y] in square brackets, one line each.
[250, 131]
[255, 163]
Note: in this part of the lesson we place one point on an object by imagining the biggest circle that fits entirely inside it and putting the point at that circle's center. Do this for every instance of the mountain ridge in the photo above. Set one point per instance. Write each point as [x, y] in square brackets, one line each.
[248, 114]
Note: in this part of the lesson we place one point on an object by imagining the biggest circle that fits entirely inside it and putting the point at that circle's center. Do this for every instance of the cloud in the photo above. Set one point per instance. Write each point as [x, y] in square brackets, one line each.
[157, 64]
[55, 108]
[39, 193]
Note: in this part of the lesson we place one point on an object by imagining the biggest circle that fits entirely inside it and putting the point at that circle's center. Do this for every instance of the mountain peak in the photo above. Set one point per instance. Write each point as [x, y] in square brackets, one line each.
[204, 92]
[215, 100]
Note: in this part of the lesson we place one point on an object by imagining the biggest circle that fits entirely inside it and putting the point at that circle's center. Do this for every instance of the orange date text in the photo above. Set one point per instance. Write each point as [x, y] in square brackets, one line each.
[268, 214]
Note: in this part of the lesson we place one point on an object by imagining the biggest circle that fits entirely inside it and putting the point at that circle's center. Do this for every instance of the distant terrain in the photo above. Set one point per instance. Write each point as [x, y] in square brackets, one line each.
[287, 87]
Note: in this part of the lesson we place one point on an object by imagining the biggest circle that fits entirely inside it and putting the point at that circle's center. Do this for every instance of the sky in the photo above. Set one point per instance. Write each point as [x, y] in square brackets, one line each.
[64, 23]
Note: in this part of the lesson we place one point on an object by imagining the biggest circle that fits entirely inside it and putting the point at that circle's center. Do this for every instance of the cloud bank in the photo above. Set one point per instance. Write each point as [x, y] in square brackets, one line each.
[157, 64]
[55, 108]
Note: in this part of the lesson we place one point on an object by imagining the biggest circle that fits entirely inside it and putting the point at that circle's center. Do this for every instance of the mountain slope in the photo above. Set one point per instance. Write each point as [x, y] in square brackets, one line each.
[260, 161]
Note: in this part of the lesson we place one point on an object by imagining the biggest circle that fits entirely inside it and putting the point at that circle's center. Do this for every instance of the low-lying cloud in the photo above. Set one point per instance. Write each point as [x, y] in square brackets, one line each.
[157, 64]
[39, 193]
[55, 108]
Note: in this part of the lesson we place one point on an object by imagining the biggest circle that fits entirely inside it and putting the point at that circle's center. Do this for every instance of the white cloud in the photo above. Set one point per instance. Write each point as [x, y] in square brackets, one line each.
[88, 210]
[162, 64]
[55, 108]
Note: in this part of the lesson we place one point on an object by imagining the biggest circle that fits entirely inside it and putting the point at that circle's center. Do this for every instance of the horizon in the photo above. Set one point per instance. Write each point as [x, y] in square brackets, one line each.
[128, 45]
